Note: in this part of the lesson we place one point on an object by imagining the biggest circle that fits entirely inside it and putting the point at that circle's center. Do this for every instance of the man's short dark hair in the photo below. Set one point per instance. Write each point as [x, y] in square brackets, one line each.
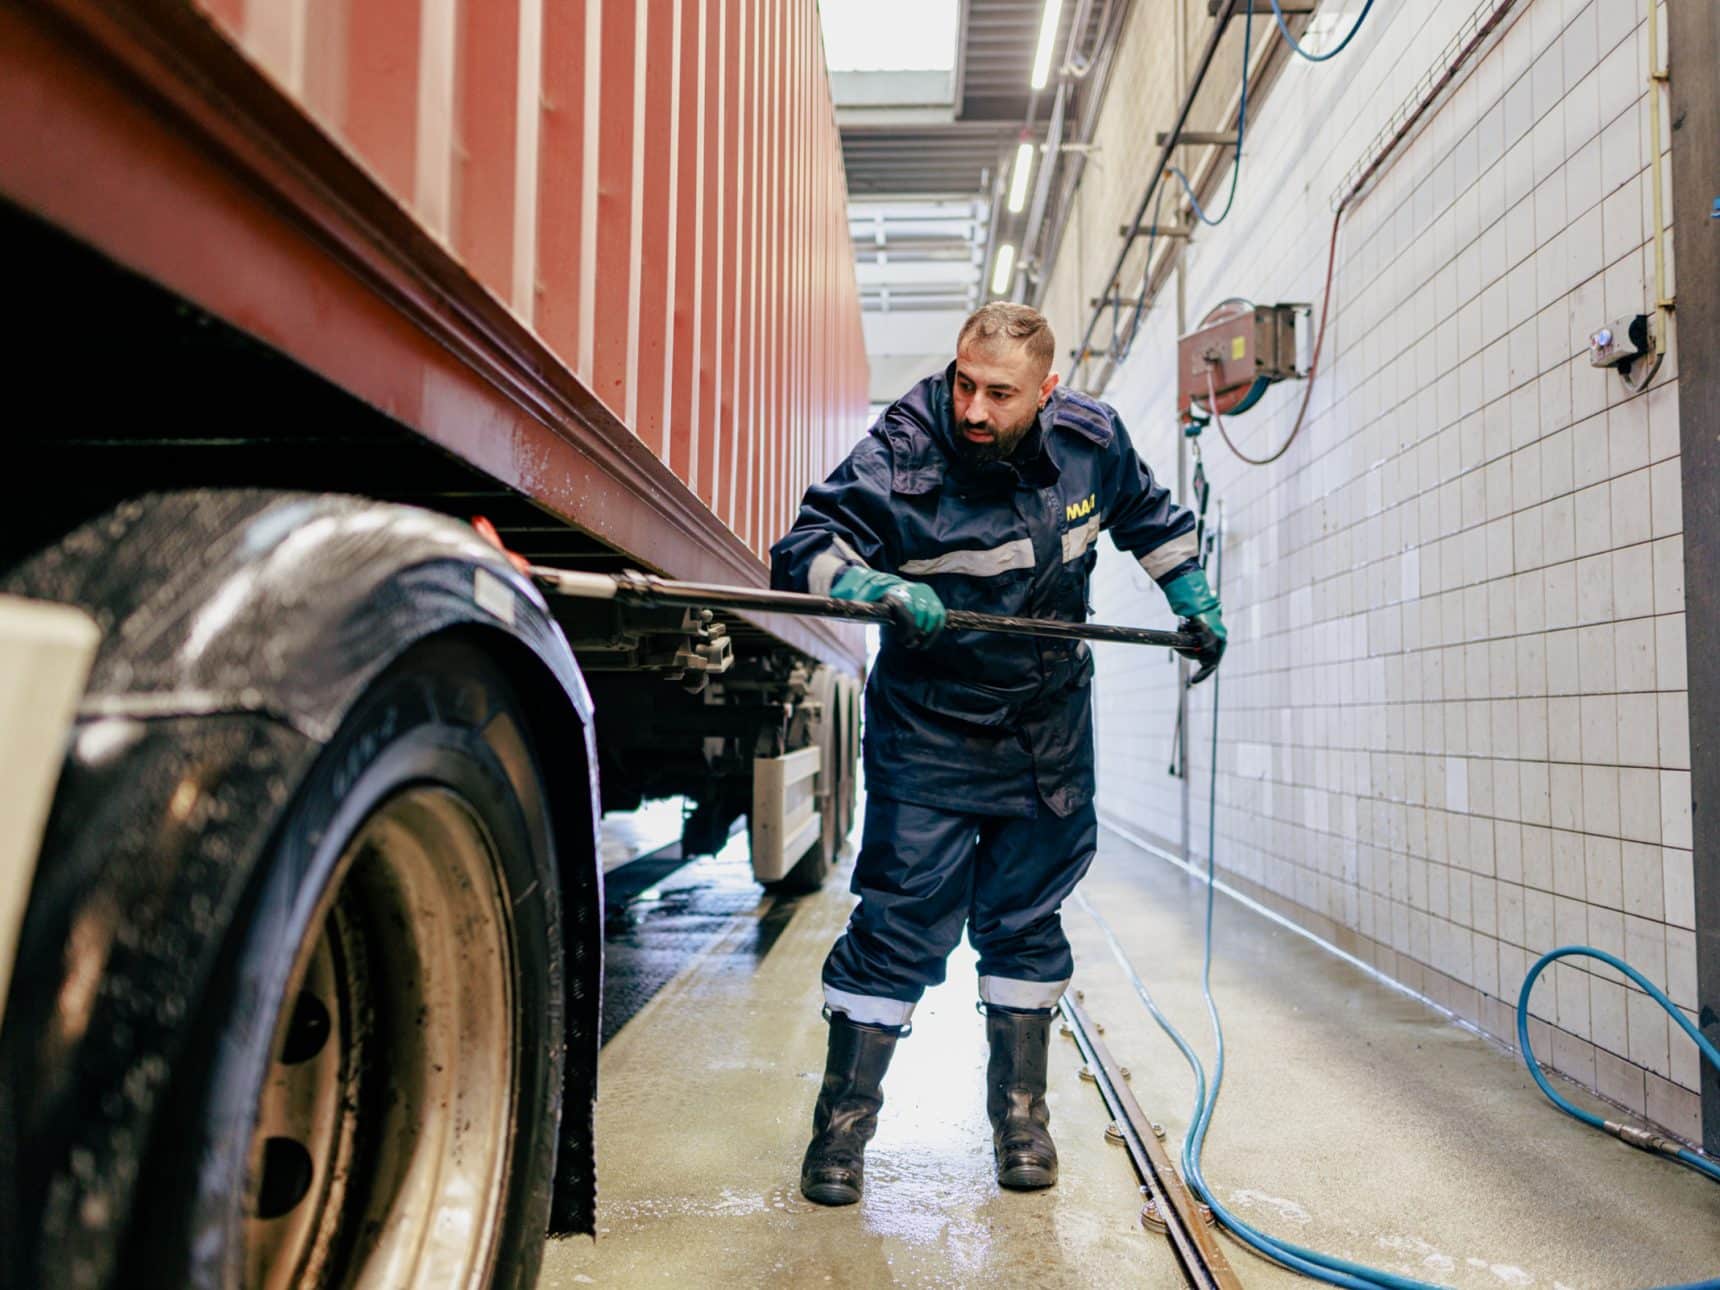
[1002, 320]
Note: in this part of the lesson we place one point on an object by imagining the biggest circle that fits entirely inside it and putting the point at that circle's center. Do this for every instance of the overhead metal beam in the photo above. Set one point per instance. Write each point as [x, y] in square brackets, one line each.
[899, 117]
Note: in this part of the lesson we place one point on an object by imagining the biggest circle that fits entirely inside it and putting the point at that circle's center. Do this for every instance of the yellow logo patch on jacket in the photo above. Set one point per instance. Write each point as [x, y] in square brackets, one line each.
[1082, 509]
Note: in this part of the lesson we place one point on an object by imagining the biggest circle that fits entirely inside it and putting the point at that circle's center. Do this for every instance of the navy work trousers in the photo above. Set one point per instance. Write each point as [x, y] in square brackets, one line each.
[923, 872]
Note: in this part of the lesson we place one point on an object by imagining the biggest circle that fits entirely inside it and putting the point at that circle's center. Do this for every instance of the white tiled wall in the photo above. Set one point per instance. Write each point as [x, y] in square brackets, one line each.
[1455, 729]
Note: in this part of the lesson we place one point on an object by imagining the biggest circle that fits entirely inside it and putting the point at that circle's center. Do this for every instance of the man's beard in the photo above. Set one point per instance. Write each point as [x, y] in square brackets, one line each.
[1002, 446]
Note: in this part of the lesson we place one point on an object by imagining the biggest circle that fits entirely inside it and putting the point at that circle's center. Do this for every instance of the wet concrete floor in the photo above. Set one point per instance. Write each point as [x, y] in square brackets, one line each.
[1353, 1120]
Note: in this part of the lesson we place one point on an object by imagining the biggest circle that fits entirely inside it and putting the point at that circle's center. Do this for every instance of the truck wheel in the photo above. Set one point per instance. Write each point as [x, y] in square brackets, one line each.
[832, 734]
[376, 1096]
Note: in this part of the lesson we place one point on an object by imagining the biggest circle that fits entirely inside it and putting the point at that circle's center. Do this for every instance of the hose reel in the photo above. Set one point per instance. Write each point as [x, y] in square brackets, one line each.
[1226, 363]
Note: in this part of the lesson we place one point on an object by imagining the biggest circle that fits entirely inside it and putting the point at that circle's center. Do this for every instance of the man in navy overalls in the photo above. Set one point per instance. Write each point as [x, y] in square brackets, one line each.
[984, 488]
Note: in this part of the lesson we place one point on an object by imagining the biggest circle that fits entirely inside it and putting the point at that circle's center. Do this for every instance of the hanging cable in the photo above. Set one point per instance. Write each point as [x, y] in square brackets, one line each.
[1284, 30]
[1241, 131]
[1313, 367]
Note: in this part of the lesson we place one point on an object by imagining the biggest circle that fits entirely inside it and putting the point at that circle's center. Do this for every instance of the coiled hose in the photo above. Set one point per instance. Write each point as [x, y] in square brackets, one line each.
[1636, 1137]
[1329, 1268]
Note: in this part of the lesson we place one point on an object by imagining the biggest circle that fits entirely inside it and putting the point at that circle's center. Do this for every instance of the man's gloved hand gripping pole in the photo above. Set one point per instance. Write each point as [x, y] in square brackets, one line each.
[914, 607]
[1192, 600]
[919, 615]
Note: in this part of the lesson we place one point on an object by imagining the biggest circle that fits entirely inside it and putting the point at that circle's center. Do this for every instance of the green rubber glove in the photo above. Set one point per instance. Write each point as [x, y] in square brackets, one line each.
[1192, 600]
[915, 607]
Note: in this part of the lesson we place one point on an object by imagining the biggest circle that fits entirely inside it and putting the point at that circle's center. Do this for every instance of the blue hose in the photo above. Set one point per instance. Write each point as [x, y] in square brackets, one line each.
[1241, 130]
[1312, 1263]
[1709, 1052]
[1242, 105]
[1284, 30]
[1329, 1268]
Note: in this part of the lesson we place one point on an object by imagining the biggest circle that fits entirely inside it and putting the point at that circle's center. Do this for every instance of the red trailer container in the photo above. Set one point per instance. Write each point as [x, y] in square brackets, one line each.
[307, 284]
[634, 209]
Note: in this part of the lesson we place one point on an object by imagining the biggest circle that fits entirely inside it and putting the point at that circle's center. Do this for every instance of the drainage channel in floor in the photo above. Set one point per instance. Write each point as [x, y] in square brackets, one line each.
[663, 912]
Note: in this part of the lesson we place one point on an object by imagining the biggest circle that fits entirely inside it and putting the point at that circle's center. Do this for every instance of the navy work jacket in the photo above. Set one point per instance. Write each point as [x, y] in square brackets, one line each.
[978, 721]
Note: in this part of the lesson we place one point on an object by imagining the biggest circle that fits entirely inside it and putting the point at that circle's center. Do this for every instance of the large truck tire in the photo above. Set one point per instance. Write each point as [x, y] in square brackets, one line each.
[313, 947]
[834, 733]
[373, 1093]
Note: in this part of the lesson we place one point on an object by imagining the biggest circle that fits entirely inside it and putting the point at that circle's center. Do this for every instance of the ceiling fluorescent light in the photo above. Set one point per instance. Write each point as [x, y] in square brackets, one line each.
[1047, 39]
[1018, 184]
[1004, 274]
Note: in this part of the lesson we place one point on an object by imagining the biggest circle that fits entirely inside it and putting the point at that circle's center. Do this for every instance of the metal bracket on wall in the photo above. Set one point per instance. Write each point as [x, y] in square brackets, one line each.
[1153, 230]
[1198, 139]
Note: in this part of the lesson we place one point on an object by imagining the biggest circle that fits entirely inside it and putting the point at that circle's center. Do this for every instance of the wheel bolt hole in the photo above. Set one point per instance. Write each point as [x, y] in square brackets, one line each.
[308, 1031]
[286, 1177]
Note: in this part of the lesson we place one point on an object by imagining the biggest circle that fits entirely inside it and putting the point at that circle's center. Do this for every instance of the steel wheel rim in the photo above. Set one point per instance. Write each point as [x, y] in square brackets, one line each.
[385, 1123]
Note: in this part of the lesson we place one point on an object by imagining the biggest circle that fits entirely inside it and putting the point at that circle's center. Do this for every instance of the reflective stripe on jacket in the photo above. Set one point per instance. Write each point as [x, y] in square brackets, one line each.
[981, 721]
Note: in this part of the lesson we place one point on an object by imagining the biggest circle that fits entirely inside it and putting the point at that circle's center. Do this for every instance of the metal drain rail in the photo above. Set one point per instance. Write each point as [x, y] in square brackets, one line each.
[1170, 1206]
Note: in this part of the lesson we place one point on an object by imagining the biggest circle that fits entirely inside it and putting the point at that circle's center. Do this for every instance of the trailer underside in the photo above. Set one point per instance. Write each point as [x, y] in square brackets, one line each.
[140, 391]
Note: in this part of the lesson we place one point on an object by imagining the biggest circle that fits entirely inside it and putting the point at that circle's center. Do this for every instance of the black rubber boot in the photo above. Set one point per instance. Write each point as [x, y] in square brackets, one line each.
[846, 1116]
[1015, 1097]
